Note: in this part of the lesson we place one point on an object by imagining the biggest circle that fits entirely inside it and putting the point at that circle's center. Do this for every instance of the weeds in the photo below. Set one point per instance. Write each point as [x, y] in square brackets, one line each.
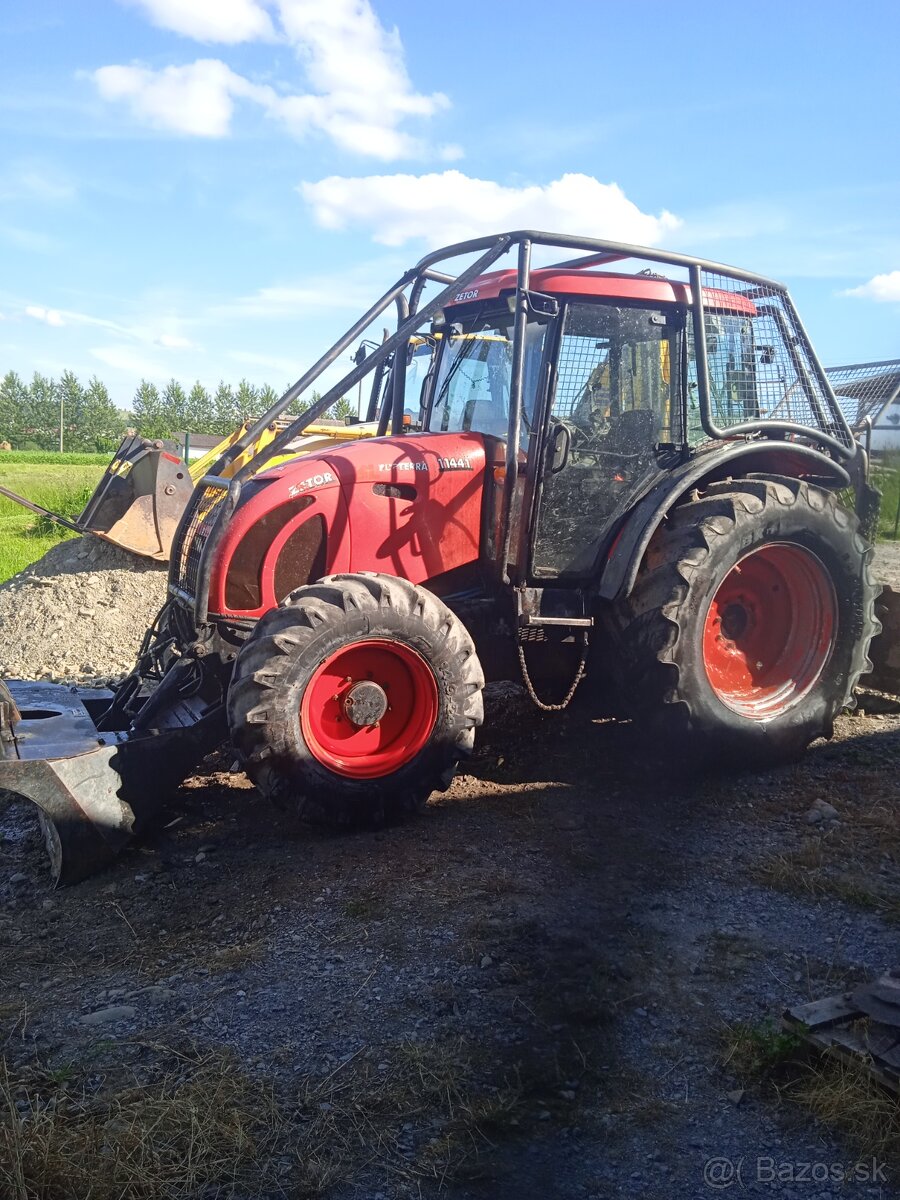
[198, 1125]
[62, 489]
[886, 477]
[842, 1095]
[760, 1050]
[51, 458]
[845, 1097]
[204, 1127]
[858, 862]
[67, 501]
[365, 907]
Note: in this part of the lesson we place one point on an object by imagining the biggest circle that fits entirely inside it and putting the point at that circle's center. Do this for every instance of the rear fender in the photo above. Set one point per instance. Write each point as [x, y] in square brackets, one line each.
[739, 460]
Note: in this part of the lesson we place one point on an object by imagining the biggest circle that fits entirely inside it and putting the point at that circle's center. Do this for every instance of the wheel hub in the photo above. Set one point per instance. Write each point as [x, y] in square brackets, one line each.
[365, 703]
[369, 708]
[769, 630]
[735, 619]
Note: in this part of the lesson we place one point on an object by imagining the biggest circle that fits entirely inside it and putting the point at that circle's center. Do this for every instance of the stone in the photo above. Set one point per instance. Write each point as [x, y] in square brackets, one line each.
[106, 1016]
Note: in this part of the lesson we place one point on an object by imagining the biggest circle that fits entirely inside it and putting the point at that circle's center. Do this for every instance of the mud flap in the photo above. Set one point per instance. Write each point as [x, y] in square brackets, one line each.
[140, 499]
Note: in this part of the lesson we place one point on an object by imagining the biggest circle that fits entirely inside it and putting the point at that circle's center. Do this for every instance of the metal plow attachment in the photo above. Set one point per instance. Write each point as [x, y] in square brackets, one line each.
[94, 791]
[83, 821]
[139, 501]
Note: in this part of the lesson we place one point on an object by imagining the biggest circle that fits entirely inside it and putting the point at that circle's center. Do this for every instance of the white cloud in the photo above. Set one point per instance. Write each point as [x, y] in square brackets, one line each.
[147, 334]
[450, 206]
[24, 181]
[229, 21]
[122, 358]
[346, 290]
[360, 94]
[883, 288]
[362, 91]
[51, 316]
[197, 99]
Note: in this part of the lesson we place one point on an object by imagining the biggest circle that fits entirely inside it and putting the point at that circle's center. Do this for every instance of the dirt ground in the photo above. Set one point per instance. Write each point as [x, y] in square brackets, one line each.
[526, 992]
[544, 986]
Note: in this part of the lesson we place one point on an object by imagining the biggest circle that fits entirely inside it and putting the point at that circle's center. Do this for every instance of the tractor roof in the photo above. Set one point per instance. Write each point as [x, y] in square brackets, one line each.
[654, 289]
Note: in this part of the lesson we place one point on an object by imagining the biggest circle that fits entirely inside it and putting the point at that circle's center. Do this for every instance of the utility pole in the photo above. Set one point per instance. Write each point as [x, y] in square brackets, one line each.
[62, 403]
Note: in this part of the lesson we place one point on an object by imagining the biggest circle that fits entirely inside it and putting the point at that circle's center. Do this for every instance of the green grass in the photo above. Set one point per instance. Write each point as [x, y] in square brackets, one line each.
[51, 458]
[63, 488]
[886, 478]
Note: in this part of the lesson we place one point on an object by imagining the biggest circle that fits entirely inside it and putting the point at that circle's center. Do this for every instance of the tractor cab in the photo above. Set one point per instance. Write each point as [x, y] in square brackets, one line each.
[600, 402]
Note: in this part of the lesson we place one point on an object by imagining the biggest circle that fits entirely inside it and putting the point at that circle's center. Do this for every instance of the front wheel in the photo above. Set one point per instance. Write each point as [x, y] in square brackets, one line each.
[750, 622]
[354, 699]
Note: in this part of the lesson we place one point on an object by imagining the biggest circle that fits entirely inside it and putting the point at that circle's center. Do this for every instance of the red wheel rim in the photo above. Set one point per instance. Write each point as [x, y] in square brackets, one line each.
[769, 630]
[369, 708]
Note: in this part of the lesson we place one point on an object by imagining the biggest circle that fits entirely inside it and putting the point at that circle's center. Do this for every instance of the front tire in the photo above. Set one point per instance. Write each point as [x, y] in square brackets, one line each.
[354, 700]
[750, 622]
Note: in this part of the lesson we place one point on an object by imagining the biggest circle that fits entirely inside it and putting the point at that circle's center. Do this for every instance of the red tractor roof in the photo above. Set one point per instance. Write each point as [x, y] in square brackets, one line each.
[607, 284]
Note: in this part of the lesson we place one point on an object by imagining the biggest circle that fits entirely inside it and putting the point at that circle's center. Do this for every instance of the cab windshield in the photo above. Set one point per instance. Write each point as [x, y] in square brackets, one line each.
[474, 376]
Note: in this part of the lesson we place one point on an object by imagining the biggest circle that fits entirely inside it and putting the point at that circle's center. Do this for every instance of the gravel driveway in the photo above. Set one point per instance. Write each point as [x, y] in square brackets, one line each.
[561, 942]
[531, 991]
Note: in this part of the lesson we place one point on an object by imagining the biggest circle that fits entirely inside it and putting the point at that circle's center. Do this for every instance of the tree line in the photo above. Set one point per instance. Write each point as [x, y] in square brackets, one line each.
[31, 413]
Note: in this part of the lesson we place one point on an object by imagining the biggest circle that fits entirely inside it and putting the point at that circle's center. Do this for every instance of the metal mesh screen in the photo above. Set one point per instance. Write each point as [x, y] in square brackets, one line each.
[864, 389]
[195, 531]
[579, 359]
[761, 365]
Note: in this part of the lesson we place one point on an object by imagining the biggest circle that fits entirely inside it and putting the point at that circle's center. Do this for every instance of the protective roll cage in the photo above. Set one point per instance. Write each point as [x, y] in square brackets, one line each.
[835, 436]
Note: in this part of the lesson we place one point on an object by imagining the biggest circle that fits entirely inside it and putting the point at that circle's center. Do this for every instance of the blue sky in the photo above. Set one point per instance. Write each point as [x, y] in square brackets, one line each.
[216, 188]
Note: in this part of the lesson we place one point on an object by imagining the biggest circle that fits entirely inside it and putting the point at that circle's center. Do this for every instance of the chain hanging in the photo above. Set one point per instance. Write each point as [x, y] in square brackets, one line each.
[567, 699]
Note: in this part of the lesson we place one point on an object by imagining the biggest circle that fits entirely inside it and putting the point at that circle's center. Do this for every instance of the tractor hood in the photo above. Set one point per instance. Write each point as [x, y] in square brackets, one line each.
[408, 506]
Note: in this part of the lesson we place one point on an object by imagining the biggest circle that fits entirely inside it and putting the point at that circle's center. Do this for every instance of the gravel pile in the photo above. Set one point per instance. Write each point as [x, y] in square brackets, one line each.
[78, 614]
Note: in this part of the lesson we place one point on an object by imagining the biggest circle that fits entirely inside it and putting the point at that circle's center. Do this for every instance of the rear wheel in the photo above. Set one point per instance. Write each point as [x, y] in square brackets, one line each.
[355, 699]
[749, 623]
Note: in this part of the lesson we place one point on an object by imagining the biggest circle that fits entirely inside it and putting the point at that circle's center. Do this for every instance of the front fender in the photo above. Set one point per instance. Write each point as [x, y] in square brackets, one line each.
[634, 534]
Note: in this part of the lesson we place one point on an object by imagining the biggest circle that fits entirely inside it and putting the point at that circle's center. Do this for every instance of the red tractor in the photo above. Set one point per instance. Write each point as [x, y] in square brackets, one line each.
[592, 474]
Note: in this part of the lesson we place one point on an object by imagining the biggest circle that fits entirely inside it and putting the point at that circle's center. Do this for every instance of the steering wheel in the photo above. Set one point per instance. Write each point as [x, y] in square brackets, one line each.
[586, 439]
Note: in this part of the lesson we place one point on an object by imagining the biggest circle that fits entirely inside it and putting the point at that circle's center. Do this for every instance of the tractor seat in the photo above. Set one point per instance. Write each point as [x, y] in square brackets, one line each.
[632, 433]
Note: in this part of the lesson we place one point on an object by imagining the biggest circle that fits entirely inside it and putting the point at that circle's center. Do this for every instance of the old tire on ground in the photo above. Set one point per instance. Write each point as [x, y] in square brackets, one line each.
[354, 700]
[749, 623]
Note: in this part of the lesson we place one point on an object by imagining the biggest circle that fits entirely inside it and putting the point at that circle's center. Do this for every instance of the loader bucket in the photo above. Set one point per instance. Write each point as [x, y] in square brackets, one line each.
[140, 499]
[94, 791]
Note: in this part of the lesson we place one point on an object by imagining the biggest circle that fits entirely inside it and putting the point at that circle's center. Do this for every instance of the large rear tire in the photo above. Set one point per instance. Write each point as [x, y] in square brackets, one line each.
[355, 699]
[749, 624]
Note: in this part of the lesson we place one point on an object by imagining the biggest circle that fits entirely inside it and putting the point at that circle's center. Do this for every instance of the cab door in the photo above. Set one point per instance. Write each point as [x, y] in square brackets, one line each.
[615, 405]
